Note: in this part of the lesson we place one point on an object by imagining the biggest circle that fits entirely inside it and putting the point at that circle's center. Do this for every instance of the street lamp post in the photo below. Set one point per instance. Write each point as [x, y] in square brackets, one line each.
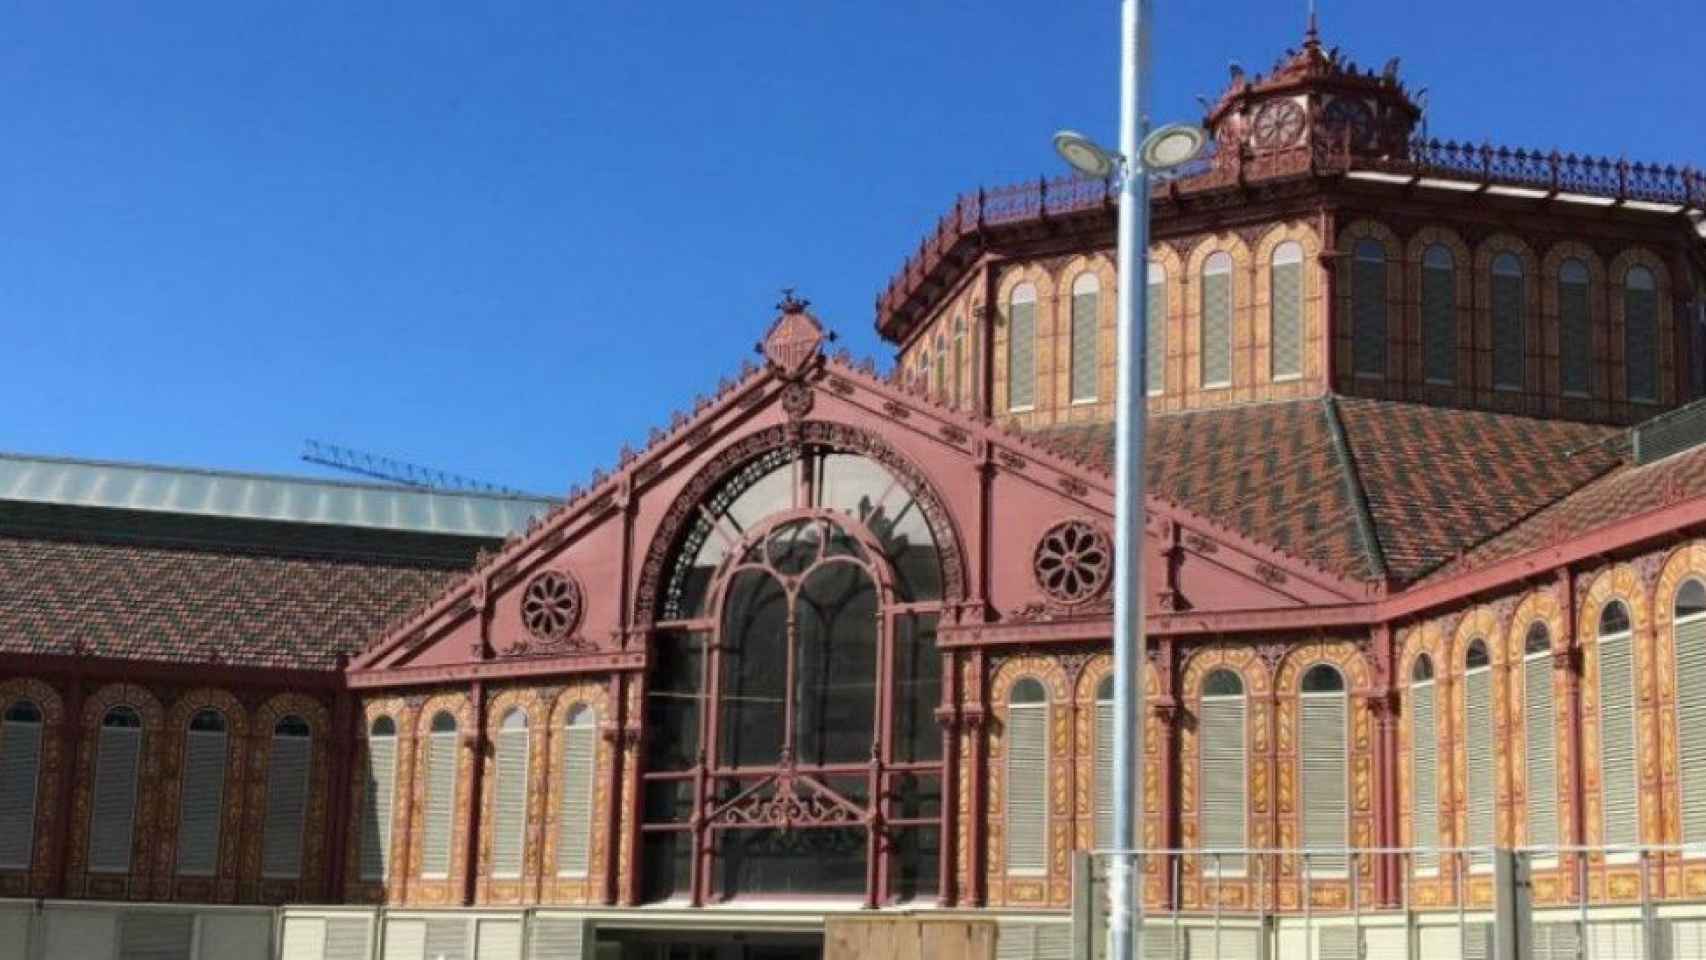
[1140, 153]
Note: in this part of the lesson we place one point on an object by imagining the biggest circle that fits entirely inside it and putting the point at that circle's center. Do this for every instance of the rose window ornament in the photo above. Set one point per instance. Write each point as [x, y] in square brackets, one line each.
[1279, 124]
[551, 606]
[1074, 562]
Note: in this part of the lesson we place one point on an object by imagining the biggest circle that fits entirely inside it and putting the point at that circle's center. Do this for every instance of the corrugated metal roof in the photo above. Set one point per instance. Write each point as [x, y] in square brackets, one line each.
[211, 493]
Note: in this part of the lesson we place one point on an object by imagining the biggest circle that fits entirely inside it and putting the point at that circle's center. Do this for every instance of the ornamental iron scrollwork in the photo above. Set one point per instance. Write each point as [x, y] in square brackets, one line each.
[1074, 562]
[795, 801]
[552, 605]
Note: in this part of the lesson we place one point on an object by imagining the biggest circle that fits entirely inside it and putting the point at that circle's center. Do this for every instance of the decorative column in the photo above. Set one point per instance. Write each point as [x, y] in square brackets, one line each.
[1567, 660]
[70, 739]
[340, 782]
[478, 746]
[1166, 710]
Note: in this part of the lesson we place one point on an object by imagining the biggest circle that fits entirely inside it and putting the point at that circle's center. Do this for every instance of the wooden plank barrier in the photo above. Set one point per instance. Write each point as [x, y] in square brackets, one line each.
[908, 938]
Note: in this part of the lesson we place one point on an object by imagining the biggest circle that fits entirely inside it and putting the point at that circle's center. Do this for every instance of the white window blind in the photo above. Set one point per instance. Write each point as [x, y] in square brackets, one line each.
[1615, 941]
[346, 938]
[20, 767]
[1690, 646]
[378, 801]
[1439, 314]
[1478, 756]
[1540, 745]
[1104, 786]
[509, 838]
[1424, 783]
[1156, 322]
[1556, 941]
[1687, 939]
[440, 803]
[557, 938]
[155, 935]
[118, 760]
[202, 806]
[1338, 943]
[1221, 753]
[1368, 309]
[1286, 290]
[580, 753]
[1027, 788]
[304, 939]
[405, 940]
[1617, 740]
[287, 805]
[498, 940]
[1086, 297]
[447, 939]
[1022, 348]
[1325, 809]
[1217, 320]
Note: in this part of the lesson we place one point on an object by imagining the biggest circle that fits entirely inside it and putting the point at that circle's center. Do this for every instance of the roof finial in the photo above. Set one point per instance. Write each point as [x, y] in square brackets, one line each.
[1312, 36]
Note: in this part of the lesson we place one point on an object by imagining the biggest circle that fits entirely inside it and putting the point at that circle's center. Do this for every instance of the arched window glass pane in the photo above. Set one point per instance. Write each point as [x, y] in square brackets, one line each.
[1439, 314]
[207, 721]
[1223, 683]
[383, 727]
[1614, 619]
[1423, 670]
[1155, 319]
[1028, 690]
[1476, 656]
[1217, 320]
[287, 798]
[1641, 334]
[836, 668]
[20, 770]
[1575, 328]
[1105, 689]
[1086, 300]
[1368, 309]
[1507, 309]
[1539, 640]
[1690, 599]
[122, 717]
[1286, 311]
[1322, 678]
[754, 693]
[1022, 348]
[443, 722]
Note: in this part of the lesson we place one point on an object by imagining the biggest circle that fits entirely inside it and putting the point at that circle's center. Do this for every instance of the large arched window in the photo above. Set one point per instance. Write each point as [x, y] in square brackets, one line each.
[1086, 299]
[1507, 311]
[379, 799]
[1617, 763]
[202, 806]
[1478, 736]
[1285, 319]
[118, 762]
[1026, 816]
[20, 768]
[1688, 642]
[440, 804]
[1022, 348]
[1155, 320]
[509, 796]
[287, 798]
[1439, 314]
[1575, 329]
[1217, 320]
[1368, 309]
[1325, 736]
[1103, 788]
[1540, 737]
[1221, 768]
[1641, 334]
[1424, 765]
[578, 761]
[803, 595]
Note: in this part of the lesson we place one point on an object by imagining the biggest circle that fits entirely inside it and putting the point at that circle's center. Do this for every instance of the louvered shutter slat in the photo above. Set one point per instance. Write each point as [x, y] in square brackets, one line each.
[557, 938]
[1691, 725]
[377, 807]
[1325, 813]
[1054, 941]
[1617, 741]
[114, 810]
[1022, 355]
[20, 765]
[1687, 939]
[1615, 941]
[1027, 789]
[1478, 749]
[499, 940]
[1221, 748]
[1540, 743]
[287, 803]
[1338, 943]
[447, 939]
[1424, 787]
[1104, 773]
[1015, 942]
[304, 939]
[150, 935]
[1216, 329]
[202, 805]
[405, 940]
[509, 839]
[574, 840]
[440, 801]
[1084, 346]
[1287, 319]
[346, 938]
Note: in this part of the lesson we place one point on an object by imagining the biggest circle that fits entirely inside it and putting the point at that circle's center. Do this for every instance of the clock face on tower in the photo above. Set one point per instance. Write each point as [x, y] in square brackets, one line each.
[1352, 115]
[1278, 124]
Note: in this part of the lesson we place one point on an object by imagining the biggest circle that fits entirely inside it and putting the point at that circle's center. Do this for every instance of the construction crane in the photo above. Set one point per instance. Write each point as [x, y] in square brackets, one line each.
[373, 465]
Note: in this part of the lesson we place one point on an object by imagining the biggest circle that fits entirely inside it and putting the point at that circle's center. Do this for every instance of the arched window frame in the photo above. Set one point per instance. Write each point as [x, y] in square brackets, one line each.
[438, 809]
[1640, 290]
[1219, 310]
[1324, 768]
[1479, 737]
[1439, 314]
[511, 751]
[577, 766]
[1102, 789]
[379, 799]
[1688, 651]
[290, 766]
[21, 739]
[201, 794]
[1083, 331]
[959, 360]
[1508, 310]
[1223, 771]
[118, 769]
[1368, 299]
[1026, 795]
[1423, 713]
[1540, 741]
[1022, 348]
[1575, 327]
[1619, 735]
[1287, 311]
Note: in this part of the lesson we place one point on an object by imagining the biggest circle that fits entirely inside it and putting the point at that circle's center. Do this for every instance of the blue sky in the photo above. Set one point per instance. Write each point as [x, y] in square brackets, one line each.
[502, 239]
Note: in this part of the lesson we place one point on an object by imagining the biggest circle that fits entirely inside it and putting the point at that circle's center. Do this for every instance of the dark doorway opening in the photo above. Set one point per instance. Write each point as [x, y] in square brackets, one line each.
[707, 945]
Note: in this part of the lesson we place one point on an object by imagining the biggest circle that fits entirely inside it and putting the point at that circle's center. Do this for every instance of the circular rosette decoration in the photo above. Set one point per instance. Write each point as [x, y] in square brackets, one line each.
[551, 607]
[1074, 562]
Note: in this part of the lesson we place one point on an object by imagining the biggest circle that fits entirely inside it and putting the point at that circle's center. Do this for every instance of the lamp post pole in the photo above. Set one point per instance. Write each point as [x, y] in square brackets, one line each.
[1125, 914]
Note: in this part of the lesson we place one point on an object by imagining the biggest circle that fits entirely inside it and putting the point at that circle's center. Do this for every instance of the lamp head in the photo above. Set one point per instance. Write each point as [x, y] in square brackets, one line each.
[1085, 155]
[1171, 146]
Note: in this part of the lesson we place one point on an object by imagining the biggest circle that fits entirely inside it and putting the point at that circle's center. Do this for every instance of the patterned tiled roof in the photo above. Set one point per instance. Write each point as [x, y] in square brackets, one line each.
[168, 604]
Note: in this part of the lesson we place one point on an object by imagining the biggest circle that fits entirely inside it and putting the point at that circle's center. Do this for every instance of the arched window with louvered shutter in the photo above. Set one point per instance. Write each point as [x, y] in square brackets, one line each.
[1688, 643]
[1086, 302]
[1221, 768]
[959, 361]
[20, 771]
[1478, 737]
[1104, 772]
[1507, 310]
[440, 797]
[578, 762]
[287, 798]
[1641, 334]
[1027, 779]
[509, 797]
[1022, 348]
[1439, 314]
[1285, 290]
[941, 367]
[1217, 320]
[1368, 309]
[1620, 804]
[1575, 329]
[1323, 710]
[379, 799]
[1540, 738]
[202, 804]
[1424, 765]
[118, 762]
[1155, 320]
